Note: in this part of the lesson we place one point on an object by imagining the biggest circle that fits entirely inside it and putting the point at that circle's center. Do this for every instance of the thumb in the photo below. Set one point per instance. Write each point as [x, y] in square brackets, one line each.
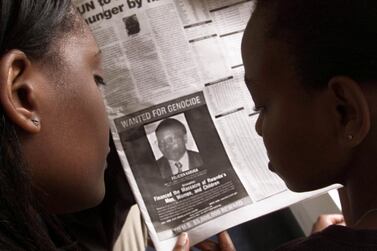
[182, 243]
[337, 219]
[225, 242]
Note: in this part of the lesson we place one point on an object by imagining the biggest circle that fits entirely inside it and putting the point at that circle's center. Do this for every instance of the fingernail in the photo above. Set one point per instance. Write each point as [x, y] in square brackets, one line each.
[182, 240]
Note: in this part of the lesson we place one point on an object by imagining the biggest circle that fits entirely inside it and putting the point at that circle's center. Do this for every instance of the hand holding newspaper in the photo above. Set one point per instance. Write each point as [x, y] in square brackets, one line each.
[181, 115]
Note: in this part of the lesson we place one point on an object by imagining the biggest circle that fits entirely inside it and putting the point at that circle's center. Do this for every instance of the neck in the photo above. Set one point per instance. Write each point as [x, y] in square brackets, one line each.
[361, 180]
[361, 190]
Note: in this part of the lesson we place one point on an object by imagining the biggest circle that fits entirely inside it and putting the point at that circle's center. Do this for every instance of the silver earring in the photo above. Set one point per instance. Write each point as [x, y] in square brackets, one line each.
[350, 137]
[35, 121]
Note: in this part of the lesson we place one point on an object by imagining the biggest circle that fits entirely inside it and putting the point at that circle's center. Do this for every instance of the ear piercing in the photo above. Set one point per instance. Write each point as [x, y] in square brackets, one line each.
[35, 121]
[350, 137]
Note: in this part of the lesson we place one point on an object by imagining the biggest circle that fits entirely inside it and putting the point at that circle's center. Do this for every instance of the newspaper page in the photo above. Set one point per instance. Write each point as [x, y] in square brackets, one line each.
[182, 118]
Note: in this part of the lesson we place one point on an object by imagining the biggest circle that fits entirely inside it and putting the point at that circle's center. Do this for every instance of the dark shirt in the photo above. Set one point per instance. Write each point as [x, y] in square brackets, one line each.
[335, 238]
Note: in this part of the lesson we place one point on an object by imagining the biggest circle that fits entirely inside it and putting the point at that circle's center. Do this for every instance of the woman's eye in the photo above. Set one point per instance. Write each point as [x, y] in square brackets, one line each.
[99, 80]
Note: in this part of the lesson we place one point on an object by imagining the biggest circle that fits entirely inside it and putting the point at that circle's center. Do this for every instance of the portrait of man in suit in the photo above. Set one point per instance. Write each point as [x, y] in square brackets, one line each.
[171, 137]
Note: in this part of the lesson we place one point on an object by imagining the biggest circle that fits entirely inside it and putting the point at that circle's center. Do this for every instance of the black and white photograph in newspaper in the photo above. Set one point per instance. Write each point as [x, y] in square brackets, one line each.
[173, 146]
[131, 24]
[180, 165]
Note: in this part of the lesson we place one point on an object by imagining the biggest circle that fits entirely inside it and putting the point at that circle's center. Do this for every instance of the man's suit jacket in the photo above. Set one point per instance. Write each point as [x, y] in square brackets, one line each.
[163, 163]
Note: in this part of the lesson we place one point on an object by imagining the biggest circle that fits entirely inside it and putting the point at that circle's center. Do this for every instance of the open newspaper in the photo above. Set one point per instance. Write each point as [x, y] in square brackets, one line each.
[182, 118]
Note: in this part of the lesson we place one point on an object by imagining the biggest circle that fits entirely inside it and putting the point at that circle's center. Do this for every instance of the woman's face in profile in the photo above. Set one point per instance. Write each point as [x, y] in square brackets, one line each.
[296, 126]
[69, 156]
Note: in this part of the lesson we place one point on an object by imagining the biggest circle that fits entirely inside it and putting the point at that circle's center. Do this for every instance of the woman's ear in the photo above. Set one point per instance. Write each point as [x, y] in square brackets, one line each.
[352, 110]
[17, 95]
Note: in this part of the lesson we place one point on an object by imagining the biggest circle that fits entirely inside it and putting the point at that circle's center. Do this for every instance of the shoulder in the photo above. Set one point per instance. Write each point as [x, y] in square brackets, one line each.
[164, 167]
[335, 238]
[193, 154]
[195, 158]
[162, 160]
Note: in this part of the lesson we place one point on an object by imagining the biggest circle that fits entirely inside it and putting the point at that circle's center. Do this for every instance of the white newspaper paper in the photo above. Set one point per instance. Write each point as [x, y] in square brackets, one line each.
[180, 60]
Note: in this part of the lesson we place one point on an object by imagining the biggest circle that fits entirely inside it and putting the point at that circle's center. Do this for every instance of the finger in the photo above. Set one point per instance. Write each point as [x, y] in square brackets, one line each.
[182, 243]
[225, 242]
[207, 245]
[331, 218]
[337, 218]
[326, 220]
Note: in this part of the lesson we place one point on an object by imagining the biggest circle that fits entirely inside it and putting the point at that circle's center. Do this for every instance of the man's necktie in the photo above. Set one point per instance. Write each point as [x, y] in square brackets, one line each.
[179, 166]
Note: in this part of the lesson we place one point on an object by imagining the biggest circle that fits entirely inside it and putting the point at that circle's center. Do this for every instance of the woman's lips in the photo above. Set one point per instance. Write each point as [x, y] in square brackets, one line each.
[271, 167]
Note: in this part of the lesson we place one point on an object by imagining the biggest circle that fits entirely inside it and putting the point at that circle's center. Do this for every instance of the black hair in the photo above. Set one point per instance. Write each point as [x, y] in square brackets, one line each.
[326, 38]
[171, 123]
[30, 26]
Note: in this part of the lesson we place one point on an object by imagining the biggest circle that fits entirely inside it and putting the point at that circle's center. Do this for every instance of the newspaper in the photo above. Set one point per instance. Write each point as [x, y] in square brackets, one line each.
[182, 118]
